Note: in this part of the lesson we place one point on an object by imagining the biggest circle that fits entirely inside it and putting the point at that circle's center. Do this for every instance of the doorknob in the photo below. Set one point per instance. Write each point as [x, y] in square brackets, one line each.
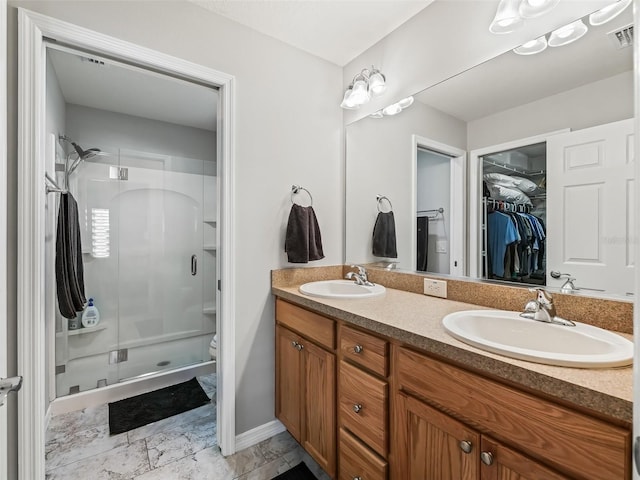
[8, 385]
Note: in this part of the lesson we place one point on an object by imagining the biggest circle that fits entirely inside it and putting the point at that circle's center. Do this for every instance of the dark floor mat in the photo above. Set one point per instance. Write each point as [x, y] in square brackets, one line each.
[299, 472]
[150, 407]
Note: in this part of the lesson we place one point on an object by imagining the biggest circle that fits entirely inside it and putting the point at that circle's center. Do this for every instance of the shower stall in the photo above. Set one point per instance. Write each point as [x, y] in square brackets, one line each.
[148, 233]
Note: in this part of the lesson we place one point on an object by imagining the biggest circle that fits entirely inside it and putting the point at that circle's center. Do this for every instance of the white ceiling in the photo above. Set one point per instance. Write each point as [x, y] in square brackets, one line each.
[133, 91]
[510, 80]
[335, 30]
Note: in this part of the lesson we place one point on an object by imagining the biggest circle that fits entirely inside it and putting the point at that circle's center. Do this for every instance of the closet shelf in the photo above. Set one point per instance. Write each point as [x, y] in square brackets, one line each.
[82, 331]
[521, 171]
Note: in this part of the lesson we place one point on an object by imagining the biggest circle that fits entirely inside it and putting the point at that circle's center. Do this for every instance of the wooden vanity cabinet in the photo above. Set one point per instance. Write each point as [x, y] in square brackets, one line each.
[306, 382]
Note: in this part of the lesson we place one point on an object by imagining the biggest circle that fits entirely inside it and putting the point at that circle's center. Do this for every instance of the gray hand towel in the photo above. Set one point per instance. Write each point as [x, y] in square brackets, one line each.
[69, 269]
[384, 236]
[303, 240]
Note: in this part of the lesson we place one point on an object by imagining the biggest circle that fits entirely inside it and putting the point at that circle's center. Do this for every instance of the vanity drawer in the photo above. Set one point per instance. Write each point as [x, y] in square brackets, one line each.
[363, 406]
[357, 461]
[313, 326]
[567, 440]
[364, 349]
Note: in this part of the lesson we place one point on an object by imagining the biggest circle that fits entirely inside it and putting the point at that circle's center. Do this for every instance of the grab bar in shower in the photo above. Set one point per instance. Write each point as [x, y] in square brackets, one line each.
[194, 265]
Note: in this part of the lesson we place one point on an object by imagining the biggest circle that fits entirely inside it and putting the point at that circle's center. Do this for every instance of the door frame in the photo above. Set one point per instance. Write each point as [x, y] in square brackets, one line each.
[457, 200]
[33, 28]
[475, 193]
[4, 339]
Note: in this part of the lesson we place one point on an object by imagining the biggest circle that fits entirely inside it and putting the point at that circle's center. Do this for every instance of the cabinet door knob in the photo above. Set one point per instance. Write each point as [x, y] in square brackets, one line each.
[487, 458]
[358, 349]
[357, 478]
[466, 446]
[299, 347]
[357, 407]
[294, 344]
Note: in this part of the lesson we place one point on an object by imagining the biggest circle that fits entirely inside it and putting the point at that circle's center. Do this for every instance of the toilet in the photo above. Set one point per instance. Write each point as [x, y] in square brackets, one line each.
[213, 347]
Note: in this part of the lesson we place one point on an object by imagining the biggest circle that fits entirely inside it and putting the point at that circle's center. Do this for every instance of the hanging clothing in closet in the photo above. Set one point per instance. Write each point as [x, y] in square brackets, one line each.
[515, 246]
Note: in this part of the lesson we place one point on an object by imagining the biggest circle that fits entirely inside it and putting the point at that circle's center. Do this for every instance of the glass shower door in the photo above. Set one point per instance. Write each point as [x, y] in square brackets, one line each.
[159, 245]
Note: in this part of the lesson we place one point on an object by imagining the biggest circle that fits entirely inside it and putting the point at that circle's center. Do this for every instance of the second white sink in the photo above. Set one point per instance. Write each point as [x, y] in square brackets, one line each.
[340, 289]
[507, 333]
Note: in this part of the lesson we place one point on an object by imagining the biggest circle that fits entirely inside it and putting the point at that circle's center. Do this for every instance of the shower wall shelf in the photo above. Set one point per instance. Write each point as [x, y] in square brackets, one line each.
[210, 220]
[209, 310]
[83, 330]
[210, 248]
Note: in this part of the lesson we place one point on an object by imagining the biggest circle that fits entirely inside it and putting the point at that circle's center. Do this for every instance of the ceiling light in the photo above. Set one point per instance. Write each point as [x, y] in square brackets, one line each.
[532, 46]
[366, 84]
[405, 102]
[567, 34]
[608, 13]
[536, 8]
[507, 17]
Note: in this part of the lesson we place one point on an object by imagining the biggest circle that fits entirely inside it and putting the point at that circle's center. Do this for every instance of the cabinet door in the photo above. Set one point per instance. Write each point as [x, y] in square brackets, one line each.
[502, 463]
[319, 438]
[431, 445]
[289, 381]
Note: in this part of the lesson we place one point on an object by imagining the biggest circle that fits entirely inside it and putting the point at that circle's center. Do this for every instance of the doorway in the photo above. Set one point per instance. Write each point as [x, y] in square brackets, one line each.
[35, 30]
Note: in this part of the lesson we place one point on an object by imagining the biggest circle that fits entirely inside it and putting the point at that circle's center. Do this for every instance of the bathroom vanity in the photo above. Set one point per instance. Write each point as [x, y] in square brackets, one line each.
[375, 389]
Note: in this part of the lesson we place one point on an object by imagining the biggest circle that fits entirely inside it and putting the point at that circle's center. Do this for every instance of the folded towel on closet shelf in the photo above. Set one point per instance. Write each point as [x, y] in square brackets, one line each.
[384, 236]
[69, 269]
[303, 241]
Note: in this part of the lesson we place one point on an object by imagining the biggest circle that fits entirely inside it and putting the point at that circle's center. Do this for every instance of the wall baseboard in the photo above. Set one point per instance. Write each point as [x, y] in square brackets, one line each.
[258, 434]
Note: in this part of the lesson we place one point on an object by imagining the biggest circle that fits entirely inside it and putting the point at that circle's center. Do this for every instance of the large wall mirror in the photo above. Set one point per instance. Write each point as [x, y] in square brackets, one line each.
[519, 169]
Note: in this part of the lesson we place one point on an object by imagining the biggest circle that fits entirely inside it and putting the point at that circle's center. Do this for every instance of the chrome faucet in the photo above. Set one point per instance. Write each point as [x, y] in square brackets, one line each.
[542, 309]
[567, 286]
[360, 277]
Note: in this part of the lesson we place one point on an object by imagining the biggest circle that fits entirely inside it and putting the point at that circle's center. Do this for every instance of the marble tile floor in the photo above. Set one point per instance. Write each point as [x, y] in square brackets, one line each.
[182, 447]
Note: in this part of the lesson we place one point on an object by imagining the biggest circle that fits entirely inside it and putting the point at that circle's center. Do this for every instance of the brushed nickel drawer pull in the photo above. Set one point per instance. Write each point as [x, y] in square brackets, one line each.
[358, 349]
[487, 458]
[466, 446]
[357, 408]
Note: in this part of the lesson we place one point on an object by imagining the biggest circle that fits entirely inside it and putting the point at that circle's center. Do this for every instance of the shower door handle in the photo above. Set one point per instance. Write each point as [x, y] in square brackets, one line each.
[194, 265]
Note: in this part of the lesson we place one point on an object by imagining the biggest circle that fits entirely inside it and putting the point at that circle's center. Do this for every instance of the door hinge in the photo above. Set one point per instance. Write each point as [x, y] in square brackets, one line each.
[8, 385]
[117, 356]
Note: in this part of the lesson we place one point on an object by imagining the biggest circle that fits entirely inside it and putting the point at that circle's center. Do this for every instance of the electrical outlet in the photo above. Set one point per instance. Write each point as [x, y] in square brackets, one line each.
[436, 288]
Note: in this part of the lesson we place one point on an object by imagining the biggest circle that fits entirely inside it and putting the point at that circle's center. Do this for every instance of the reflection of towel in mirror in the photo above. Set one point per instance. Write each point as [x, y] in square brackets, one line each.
[69, 269]
[303, 241]
[384, 236]
[422, 243]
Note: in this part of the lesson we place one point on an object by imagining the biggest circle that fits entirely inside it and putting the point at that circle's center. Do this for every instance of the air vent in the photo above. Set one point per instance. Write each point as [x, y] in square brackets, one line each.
[622, 37]
[94, 61]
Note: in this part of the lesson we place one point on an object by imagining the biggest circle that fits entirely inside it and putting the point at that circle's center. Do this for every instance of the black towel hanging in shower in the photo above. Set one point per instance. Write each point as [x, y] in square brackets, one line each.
[422, 243]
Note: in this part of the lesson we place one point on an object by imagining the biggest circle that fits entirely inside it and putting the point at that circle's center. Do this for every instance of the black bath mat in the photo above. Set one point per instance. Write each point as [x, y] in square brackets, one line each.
[299, 472]
[150, 407]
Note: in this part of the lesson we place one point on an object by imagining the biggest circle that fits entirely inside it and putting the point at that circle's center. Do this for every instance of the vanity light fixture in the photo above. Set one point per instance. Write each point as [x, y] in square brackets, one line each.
[532, 46]
[536, 8]
[365, 85]
[507, 17]
[567, 34]
[608, 13]
[394, 108]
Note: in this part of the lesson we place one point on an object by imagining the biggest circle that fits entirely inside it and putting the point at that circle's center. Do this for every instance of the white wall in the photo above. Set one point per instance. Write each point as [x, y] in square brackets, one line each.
[379, 152]
[92, 127]
[283, 136]
[444, 39]
[593, 104]
[433, 192]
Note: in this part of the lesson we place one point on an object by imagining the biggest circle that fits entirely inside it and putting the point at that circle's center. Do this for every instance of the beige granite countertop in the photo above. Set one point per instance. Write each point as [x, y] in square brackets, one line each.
[415, 320]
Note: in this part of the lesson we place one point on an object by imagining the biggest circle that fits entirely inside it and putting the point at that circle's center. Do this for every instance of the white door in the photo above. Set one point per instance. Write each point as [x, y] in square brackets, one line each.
[591, 214]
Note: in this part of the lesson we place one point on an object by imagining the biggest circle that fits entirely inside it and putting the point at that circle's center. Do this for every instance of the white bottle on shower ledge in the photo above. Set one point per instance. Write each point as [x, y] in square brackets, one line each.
[91, 315]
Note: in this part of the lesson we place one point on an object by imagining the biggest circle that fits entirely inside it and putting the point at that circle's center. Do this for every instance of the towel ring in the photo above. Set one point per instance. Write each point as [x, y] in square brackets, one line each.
[296, 189]
[380, 198]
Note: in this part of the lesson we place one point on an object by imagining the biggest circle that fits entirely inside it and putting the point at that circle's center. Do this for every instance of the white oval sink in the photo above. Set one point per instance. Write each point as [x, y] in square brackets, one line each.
[506, 333]
[340, 289]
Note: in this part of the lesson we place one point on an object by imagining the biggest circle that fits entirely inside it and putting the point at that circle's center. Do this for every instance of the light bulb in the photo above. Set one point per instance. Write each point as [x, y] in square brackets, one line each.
[608, 13]
[347, 101]
[536, 8]
[532, 46]
[567, 34]
[377, 83]
[392, 109]
[507, 17]
[360, 94]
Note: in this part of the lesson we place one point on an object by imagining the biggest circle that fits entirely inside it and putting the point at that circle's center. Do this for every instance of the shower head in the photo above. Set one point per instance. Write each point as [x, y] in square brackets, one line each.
[84, 154]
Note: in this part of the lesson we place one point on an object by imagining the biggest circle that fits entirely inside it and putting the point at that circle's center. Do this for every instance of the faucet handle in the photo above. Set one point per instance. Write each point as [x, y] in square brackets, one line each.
[361, 269]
